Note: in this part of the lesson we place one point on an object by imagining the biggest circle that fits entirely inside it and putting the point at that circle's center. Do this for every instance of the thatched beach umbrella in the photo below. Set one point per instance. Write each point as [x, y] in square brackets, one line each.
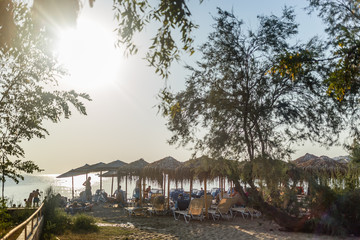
[322, 165]
[133, 169]
[75, 172]
[203, 168]
[98, 167]
[112, 168]
[160, 168]
[114, 165]
[112, 174]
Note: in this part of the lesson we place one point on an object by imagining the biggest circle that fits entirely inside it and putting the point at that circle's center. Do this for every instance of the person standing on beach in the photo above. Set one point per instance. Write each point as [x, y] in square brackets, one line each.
[36, 197]
[87, 185]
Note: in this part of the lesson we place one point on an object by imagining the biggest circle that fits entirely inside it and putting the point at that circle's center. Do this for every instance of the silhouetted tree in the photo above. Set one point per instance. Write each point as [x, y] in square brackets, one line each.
[28, 95]
[237, 105]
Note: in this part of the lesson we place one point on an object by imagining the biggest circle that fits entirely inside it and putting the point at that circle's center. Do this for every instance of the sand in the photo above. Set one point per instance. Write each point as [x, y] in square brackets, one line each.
[166, 227]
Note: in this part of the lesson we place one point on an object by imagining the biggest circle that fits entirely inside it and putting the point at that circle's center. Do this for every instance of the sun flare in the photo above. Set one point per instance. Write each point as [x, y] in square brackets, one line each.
[89, 55]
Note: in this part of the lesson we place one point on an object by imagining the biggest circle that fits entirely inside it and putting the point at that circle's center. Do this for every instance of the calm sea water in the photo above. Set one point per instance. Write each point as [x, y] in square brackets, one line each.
[16, 193]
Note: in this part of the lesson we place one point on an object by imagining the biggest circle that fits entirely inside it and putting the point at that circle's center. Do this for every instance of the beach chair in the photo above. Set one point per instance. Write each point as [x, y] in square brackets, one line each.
[195, 211]
[240, 210]
[136, 211]
[209, 199]
[253, 212]
[246, 211]
[157, 205]
[223, 210]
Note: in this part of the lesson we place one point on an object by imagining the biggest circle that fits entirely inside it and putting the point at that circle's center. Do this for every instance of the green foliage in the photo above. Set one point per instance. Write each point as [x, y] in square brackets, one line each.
[56, 221]
[352, 176]
[10, 219]
[84, 223]
[337, 214]
[355, 152]
[342, 19]
[28, 96]
[5, 219]
[242, 111]
[133, 16]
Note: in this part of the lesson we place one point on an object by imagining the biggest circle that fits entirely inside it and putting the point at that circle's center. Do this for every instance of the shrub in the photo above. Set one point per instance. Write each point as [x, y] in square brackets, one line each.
[84, 223]
[56, 221]
[5, 221]
[340, 216]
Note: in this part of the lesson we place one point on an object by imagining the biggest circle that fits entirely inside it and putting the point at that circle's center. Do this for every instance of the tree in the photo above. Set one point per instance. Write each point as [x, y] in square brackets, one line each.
[132, 17]
[352, 176]
[28, 77]
[237, 105]
[341, 55]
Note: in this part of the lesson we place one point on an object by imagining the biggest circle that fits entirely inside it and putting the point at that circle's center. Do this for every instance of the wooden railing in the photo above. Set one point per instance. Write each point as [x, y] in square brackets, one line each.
[28, 229]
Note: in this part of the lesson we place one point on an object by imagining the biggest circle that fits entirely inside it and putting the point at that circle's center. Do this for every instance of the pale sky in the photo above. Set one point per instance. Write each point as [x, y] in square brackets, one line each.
[122, 121]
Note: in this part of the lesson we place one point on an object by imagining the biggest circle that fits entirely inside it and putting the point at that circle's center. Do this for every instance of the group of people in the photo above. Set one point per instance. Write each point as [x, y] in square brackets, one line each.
[33, 199]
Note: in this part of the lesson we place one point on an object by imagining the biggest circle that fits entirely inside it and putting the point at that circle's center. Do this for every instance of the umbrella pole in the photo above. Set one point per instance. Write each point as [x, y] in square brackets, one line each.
[164, 183]
[112, 185]
[118, 183]
[205, 198]
[72, 189]
[100, 180]
[191, 182]
[126, 187]
[140, 190]
[144, 188]
[168, 200]
[222, 187]
[220, 183]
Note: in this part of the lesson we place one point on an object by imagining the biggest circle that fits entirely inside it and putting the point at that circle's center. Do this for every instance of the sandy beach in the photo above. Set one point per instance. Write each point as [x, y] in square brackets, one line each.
[166, 227]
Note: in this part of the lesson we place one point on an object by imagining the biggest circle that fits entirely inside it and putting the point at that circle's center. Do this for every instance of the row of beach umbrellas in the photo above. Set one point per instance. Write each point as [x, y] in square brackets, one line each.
[202, 168]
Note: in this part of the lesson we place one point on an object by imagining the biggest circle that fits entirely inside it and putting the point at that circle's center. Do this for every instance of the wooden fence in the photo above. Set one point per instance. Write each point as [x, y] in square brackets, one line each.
[29, 229]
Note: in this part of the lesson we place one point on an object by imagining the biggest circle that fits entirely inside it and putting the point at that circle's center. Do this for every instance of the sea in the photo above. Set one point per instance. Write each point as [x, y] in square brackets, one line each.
[16, 193]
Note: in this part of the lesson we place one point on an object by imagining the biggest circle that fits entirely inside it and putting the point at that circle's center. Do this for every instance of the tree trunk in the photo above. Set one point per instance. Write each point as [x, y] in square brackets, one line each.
[3, 179]
[287, 222]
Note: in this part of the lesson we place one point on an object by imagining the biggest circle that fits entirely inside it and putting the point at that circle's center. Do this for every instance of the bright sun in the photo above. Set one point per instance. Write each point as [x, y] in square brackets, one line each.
[89, 55]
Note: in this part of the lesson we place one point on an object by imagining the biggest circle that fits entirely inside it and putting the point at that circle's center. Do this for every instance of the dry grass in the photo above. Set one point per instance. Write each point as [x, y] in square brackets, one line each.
[104, 233]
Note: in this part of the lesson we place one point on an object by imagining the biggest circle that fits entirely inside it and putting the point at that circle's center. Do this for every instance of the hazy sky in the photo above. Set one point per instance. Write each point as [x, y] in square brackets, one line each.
[122, 121]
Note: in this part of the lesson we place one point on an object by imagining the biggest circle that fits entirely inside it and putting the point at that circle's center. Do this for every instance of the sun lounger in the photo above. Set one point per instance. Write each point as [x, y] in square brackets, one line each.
[208, 200]
[136, 211]
[157, 205]
[223, 210]
[246, 211]
[240, 210]
[253, 212]
[195, 211]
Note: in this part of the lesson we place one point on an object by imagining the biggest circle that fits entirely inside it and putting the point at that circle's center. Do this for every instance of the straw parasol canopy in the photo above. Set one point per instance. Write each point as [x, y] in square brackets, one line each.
[133, 169]
[70, 173]
[202, 167]
[111, 173]
[155, 170]
[75, 172]
[321, 165]
[114, 165]
[98, 167]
